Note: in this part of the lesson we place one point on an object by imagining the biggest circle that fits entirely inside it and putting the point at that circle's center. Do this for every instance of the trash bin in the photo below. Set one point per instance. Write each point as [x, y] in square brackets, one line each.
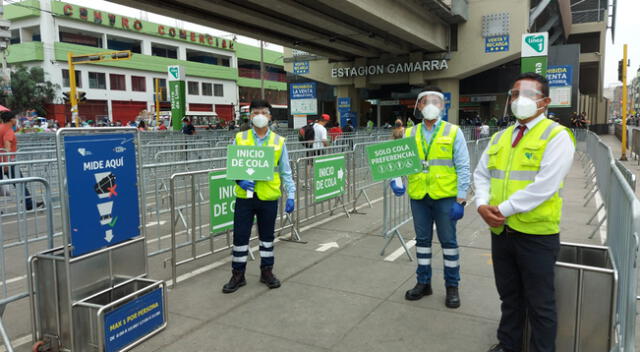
[586, 281]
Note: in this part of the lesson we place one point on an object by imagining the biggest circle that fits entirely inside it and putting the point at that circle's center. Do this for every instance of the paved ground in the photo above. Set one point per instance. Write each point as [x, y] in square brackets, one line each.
[349, 298]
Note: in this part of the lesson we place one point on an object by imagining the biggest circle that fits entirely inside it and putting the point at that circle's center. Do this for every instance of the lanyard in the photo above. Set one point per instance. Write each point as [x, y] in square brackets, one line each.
[426, 148]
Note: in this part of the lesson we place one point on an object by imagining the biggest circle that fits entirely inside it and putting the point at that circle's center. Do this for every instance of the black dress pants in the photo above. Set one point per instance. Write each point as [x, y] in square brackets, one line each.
[523, 265]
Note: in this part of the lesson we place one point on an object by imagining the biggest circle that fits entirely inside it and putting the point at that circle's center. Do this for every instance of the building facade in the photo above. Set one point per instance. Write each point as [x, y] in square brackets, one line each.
[220, 72]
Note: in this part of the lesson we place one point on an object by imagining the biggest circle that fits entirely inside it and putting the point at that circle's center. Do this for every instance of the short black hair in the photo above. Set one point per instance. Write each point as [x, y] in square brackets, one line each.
[536, 77]
[431, 89]
[6, 116]
[259, 104]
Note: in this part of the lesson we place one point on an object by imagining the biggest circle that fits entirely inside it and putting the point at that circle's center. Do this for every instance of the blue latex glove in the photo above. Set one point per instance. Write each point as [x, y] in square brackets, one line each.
[291, 204]
[457, 211]
[246, 185]
[397, 190]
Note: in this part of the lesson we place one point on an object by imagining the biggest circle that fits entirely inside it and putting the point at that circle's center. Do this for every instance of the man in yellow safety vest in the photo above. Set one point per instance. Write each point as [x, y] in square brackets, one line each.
[517, 181]
[438, 192]
[259, 199]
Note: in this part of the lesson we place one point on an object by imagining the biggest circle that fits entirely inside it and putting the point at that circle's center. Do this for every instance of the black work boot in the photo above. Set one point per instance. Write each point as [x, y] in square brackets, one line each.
[419, 291]
[453, 298]
[237, 280]
[267, 277]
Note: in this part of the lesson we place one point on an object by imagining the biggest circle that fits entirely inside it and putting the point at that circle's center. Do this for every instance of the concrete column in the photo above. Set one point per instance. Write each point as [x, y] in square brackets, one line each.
[182, 53]
[48, 36]
[349, 92]
[360, 82]
[451, 86]
[416, 78]
[146, 47]
[379, 116]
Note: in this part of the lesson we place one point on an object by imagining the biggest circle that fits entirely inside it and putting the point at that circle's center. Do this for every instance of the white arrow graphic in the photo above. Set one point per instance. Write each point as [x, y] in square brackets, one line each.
[108, 236]
[250, 171]
[340, 174]
[326, 246]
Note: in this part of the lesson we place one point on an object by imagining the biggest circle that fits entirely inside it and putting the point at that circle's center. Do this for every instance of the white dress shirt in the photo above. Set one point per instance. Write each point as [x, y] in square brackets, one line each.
[554, 167]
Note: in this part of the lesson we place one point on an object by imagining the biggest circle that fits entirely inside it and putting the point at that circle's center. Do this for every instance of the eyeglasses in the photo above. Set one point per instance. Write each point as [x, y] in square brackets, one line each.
[527, 93]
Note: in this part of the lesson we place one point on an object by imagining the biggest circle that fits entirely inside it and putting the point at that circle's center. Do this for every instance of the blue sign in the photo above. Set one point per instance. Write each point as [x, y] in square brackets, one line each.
[496, 44]
[301, 67]
[133, 320]
[447, 105]
[350, 116]
[344, 104]
[560, 76]
[303, 90]
[102, 189]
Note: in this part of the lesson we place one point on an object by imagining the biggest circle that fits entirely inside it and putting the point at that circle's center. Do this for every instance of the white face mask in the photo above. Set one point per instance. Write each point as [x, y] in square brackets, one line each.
[430, 112]
[260, 121]
[524, 108]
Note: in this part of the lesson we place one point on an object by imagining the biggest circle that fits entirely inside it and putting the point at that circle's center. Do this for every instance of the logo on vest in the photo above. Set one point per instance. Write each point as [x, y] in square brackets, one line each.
[529, 155]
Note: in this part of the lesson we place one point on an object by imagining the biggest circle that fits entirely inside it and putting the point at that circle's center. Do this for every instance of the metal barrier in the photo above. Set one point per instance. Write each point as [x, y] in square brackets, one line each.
[623, 221]
[21, 235]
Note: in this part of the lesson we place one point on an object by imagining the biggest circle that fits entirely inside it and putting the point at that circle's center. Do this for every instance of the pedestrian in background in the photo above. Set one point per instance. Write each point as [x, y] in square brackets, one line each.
[259, 199]
[320, 139]
[517, 184]
[398, 130]
[187, 126]
[438, 193]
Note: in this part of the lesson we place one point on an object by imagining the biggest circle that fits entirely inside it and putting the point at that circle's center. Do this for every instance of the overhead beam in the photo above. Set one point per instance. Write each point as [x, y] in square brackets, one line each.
[340, 28]
[170, 8]
[385, 14]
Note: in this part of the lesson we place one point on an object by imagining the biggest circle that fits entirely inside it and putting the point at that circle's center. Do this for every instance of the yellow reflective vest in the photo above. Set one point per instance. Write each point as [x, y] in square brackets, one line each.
[266, 190]
[513, 169]
[438, 177]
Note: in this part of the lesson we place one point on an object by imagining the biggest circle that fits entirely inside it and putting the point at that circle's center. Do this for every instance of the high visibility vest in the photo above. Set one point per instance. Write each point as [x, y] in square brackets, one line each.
[266, 190]
[438, 177]
[513, 169]
[410, 123]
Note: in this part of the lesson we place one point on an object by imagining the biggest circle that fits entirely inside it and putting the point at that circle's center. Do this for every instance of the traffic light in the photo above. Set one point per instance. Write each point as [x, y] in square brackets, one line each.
[66, 96]
[82, 96]
[620, 70]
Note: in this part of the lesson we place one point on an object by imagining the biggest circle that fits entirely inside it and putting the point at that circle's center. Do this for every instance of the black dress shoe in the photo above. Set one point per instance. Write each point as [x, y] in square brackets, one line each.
[267, 277]
[419, 291]
[453, 298]
[237, 280]
[497, 348]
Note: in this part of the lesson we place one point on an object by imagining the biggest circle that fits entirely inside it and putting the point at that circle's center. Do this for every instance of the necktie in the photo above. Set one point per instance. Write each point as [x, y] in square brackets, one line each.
[519, 136]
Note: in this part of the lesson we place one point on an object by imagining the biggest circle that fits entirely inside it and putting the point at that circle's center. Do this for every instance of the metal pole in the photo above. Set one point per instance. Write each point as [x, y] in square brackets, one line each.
[623, 157]
[261, 69]
[157, 102]
[73, 94]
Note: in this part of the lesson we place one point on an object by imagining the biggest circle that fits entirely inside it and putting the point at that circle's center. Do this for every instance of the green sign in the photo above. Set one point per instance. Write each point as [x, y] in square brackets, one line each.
[330, 174]
[250, 163]
[537, 64]
[222, 201]
[535, 44]
[177, 97]
[393, 159]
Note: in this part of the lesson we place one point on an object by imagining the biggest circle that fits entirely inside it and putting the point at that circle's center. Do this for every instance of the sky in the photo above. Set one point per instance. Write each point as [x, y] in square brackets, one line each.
[627, 30]
[151, 17]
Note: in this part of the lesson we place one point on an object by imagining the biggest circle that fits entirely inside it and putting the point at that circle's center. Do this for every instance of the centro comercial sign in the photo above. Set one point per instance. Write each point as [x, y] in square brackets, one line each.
[381, 69]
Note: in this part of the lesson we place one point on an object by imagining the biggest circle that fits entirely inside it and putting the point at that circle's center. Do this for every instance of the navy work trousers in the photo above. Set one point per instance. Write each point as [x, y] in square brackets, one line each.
[265, 212]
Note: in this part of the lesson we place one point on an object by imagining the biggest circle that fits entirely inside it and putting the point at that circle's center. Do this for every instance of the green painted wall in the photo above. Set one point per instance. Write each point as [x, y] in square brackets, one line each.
[25, 52]
[255, 83]
[150, 63]
[249, 52]
[25, 9]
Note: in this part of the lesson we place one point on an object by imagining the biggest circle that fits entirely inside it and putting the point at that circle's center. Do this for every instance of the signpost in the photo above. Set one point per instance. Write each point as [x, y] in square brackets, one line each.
[447, 106]
[534, 50]
[177, 95]
[330, 174]
[496, 43]
[250, 163]
[301, 67]
[102, 190]
[344, 110]
[393, 159]
[222, 201]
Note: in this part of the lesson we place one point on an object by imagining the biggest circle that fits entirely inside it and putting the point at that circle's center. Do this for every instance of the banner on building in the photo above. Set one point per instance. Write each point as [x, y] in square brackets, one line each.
[177, 95]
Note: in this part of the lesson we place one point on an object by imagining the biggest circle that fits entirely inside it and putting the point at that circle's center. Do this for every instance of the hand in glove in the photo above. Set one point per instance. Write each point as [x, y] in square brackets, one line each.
[290, 206]
[246, 185]
[457, 211]
[397, 187]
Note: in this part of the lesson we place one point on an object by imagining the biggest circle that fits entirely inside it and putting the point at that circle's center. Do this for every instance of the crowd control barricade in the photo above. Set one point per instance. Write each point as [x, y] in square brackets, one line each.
[22, 234]
[363, 183]
[309, 205]
[622, 213]
[202, 205]
[91, 292]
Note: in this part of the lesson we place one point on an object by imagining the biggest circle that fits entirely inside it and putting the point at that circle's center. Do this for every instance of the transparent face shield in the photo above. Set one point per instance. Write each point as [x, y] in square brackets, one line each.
[427, 102]
[525, 89]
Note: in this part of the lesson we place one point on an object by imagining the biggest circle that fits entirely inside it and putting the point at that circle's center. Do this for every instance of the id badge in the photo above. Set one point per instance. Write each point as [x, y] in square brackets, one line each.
[425, 166]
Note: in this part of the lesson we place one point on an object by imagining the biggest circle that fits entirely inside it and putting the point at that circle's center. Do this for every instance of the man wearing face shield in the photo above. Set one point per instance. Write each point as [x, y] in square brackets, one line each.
[259, 199]
[518, 179]
[437, 193]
